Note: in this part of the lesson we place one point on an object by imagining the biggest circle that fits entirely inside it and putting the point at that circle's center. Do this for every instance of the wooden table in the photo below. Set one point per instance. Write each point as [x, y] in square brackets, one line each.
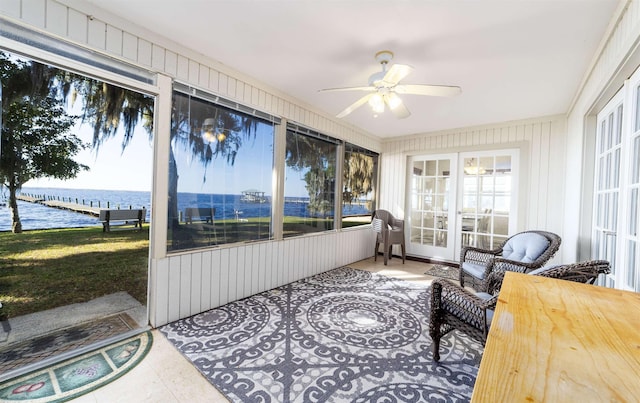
[555, 341]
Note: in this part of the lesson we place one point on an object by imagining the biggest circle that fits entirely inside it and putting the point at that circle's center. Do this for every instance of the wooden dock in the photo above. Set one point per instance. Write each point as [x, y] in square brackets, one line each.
[78, 208]
[65, 205]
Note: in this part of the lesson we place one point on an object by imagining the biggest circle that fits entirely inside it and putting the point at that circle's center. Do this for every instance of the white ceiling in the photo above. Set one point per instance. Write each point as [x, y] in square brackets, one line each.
[514, 59]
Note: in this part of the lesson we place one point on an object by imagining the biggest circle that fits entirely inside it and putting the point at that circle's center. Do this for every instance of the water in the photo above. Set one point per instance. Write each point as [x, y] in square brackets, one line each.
[37, 216]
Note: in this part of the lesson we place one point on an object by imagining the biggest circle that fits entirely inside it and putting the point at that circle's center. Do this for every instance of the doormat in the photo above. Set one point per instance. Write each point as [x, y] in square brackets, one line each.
[440, 270]
[20, 354]
[75, 377]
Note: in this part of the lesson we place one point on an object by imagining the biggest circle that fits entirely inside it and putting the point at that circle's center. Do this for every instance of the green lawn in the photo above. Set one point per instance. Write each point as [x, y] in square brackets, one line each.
[45, 269]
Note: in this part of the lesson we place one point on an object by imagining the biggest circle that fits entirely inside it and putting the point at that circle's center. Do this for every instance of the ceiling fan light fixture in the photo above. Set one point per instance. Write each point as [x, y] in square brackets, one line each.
[377, 103]
[209, 132]
[393, 100]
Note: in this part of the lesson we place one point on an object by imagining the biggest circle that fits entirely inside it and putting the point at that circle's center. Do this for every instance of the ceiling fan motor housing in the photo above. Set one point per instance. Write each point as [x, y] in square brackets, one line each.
[383, 57]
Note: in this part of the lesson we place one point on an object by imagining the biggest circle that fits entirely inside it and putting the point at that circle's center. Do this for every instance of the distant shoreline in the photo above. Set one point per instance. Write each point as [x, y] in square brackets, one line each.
[227, 206]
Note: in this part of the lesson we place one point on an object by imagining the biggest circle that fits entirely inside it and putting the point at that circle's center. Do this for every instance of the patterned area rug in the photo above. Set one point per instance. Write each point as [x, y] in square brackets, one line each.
[77, 376]
[439, 270]
[345, 335]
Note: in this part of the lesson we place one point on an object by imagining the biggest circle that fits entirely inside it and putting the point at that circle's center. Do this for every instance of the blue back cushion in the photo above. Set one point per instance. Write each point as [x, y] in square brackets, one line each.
[525, 247]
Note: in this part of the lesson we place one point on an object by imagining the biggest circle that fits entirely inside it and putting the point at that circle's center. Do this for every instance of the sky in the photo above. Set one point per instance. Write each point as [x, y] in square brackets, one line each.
[131, 168]
[252, 169]
[112, 168]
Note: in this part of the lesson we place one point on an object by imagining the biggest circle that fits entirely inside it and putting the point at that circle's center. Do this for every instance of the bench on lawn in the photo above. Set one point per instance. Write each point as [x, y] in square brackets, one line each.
[205, 214]
[124, 219]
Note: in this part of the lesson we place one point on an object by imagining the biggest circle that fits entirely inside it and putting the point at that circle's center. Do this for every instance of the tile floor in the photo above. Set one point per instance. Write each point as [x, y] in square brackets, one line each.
[165, 375]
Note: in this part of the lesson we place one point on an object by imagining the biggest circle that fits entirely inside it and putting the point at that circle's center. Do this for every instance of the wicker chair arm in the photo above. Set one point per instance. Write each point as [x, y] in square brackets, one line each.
[583, 272]
[465, 305]
[493, 282]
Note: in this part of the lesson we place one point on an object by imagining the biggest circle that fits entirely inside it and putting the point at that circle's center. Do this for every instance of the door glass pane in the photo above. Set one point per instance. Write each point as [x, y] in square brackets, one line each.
[615, 168]
[635, 161]
[614, 211]
[418, 168]
[600, 176]
[430, 202]
[637, 120]
[619, 126]
[633, 213]
[431, 168]
[610, 131]
[631, 265]
[486, 201]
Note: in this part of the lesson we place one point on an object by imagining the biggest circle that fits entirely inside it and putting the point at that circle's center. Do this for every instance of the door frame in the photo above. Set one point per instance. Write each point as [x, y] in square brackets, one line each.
[457, 157]
[618, 245]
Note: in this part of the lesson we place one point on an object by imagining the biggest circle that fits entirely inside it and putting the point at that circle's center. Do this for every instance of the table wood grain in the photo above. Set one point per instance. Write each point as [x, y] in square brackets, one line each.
[554, 341]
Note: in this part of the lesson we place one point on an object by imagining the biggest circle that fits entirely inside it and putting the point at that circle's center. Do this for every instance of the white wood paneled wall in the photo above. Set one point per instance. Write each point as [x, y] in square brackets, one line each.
[542, 148]
[189, 283]
[614, 62]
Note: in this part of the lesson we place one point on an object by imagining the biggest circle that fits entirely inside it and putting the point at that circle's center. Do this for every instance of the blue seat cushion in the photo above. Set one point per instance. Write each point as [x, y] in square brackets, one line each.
[475, 269]
[525, 247]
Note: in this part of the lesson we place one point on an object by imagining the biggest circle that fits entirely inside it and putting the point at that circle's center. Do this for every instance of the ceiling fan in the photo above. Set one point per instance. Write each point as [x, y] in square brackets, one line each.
[384, 88]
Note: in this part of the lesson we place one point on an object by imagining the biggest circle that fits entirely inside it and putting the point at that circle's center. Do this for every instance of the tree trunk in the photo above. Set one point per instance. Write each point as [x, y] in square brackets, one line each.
[16, 224]
[173, 220]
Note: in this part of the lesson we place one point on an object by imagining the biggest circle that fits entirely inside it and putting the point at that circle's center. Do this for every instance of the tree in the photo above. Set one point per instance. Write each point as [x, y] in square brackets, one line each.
[189, 117]
[109, 108]
[36, 143]
[34, 137]
[318, 157]
[357, 176]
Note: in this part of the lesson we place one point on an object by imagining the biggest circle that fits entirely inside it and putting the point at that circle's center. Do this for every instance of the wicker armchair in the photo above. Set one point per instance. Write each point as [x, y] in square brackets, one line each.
[522, 252]
[389, 231]
[453, 307]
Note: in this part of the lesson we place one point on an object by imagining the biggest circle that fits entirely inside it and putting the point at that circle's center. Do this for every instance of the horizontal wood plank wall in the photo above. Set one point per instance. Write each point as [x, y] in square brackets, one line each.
[192, 283]
[542, 147]
[189, 283]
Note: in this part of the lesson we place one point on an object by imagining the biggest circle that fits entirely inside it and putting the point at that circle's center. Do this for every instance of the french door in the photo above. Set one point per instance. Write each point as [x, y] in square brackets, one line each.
[617, 186]
[460, 199]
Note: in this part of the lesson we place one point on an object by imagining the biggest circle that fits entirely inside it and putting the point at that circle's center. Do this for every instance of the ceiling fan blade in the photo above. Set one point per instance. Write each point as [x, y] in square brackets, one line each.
[433, 90]
[396, 106]
[354, 106]
[396, 73]
[368, 88]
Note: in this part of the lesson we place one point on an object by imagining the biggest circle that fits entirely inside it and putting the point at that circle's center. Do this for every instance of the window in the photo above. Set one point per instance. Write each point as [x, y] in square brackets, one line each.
[309, 190]
[358, 185]
[220, 173]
